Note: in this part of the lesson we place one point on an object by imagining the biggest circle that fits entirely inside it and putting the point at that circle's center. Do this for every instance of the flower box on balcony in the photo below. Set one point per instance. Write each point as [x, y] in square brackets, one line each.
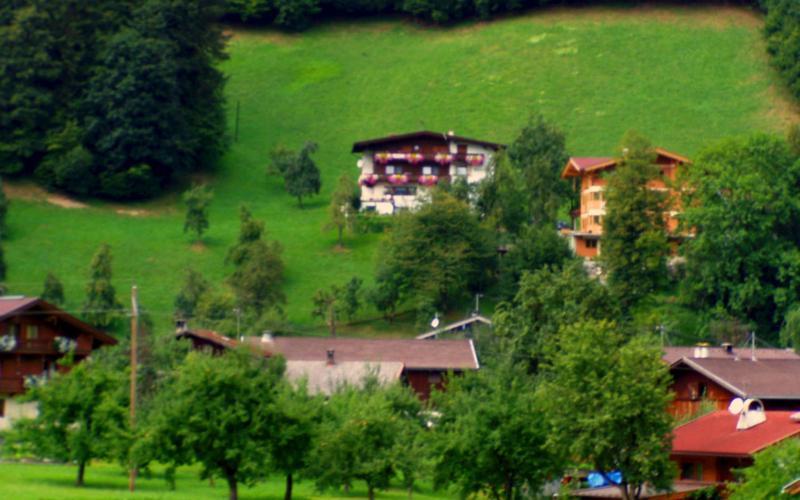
[475, 160]
[428, 180]
[443, 158]
[398, 179]
[369, 180]
[415, 158]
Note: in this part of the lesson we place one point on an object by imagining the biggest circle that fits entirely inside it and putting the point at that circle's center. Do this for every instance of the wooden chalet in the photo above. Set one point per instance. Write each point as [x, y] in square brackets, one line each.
[397, 170]
[719, 374]
[588, 176]
[34, 335]
[328, 362]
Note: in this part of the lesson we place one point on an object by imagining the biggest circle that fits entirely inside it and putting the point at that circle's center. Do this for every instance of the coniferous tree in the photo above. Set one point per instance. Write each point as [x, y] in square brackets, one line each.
[197, 200]
[635, 247]
[53, 290]
[101, 307]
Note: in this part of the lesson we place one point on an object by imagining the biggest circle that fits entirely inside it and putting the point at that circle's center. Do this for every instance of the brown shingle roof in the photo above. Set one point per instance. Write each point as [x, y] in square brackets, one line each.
[673, 354]
[423, 134]
[324, 378]
[412, 353]
[209, 336]
[762, 379]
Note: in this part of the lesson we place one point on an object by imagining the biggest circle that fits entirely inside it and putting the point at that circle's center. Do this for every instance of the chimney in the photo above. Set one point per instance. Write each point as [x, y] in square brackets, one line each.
[331, 357]
[266, 336]
[727, 347]
[700, 350]
[181, 325]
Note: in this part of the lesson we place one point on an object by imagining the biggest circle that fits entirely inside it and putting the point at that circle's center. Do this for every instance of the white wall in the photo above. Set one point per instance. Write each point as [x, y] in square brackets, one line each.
[15, 410]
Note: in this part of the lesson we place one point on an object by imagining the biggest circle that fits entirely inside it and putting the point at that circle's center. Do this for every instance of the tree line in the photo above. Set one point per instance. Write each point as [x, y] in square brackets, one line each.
[111, 98]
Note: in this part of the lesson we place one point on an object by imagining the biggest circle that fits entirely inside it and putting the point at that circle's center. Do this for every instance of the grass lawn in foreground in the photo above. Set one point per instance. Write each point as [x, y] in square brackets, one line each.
[106, 481]
[685, 77]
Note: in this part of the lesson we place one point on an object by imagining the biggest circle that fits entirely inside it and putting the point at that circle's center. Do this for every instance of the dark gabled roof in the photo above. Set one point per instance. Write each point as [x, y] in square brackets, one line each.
[412, 353]
[761, 379]
[209, 336]
[715, 434]
[11, 306]
[673, 354]
[424, 134]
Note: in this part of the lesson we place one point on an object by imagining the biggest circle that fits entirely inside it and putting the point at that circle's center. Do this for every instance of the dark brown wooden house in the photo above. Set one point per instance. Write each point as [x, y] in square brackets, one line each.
[34, 335]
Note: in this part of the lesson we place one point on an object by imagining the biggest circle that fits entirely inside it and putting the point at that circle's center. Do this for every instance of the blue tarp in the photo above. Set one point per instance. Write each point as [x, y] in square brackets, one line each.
[596, 479]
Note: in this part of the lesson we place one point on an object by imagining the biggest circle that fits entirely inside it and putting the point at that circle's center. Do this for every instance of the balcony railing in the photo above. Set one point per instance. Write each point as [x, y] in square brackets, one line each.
[371, 180]
[11, 385]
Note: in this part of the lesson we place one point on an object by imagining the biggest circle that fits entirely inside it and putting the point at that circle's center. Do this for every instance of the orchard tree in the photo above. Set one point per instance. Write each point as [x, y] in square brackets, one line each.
[219, 411]
[351, 302]
[635, 247]
[327, 306]
[341, 212]
[301, 176]
[197, 200]
[489, 439]
[53, 290]
[606, 401]
[298, 417]
[359, 433]
[539, 153]
[101, 307]
[744, 258]
[83, 416]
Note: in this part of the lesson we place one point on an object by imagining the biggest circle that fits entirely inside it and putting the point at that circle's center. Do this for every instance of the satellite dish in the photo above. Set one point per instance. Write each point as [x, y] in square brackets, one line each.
[736, 406]
[435, 321]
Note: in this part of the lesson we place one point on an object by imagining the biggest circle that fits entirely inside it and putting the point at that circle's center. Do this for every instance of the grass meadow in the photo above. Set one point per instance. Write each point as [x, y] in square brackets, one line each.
[683, 76]
[110, 482]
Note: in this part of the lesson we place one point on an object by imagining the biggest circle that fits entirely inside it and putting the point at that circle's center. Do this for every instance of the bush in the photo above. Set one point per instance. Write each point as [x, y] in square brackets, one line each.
[135, 183]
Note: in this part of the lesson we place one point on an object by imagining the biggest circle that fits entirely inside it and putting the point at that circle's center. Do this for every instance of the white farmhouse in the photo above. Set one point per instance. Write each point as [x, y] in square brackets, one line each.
[397, 170]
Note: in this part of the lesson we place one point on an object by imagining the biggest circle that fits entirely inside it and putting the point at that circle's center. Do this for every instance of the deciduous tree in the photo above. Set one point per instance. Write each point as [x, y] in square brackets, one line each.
[53, 290]
[219, 411]
[341, 212]
[772, 469]
[195, 286]
[301, 176]
[489, 438]
[606, 402]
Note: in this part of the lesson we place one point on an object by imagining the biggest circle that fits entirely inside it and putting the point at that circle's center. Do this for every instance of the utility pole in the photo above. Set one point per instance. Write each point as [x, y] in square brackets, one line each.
[134, 362]
[238, 312]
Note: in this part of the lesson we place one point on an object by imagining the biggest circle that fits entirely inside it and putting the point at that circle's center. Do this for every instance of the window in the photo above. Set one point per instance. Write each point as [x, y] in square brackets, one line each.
[597, 196]
[32, 332]
[2, 407]
[692, 470]
[393, 169]
[404, 191]
[591, 243]
[461, 171]
[435, 378]
[430, 170]
[597, 219]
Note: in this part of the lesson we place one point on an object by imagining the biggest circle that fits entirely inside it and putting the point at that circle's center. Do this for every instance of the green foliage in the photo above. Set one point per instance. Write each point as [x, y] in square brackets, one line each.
[783, 42]
[606, 400]
[440, 253]
[773, 468]
[195, 286]
[301, 176]
[539, 153]
[297, 416]
[68, 164]
[635, 245]
[53, 291]
[258, 274]
[489, 437]
[359, 433]
[341, 212]
[744, 260]
[83, 416]
[502, 198]
[332, 303]
[790, 331]
[197, 200]
[548, 299]
[534, 248]
[351, 302]
[101, 307]
[219, 411]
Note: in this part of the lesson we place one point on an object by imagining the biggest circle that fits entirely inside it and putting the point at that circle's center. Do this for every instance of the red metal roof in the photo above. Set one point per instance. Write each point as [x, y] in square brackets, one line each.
[413, 353]
[715, 434]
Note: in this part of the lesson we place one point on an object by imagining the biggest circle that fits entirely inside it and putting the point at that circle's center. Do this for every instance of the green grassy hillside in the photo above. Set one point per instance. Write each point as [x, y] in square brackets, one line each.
[684, 77]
